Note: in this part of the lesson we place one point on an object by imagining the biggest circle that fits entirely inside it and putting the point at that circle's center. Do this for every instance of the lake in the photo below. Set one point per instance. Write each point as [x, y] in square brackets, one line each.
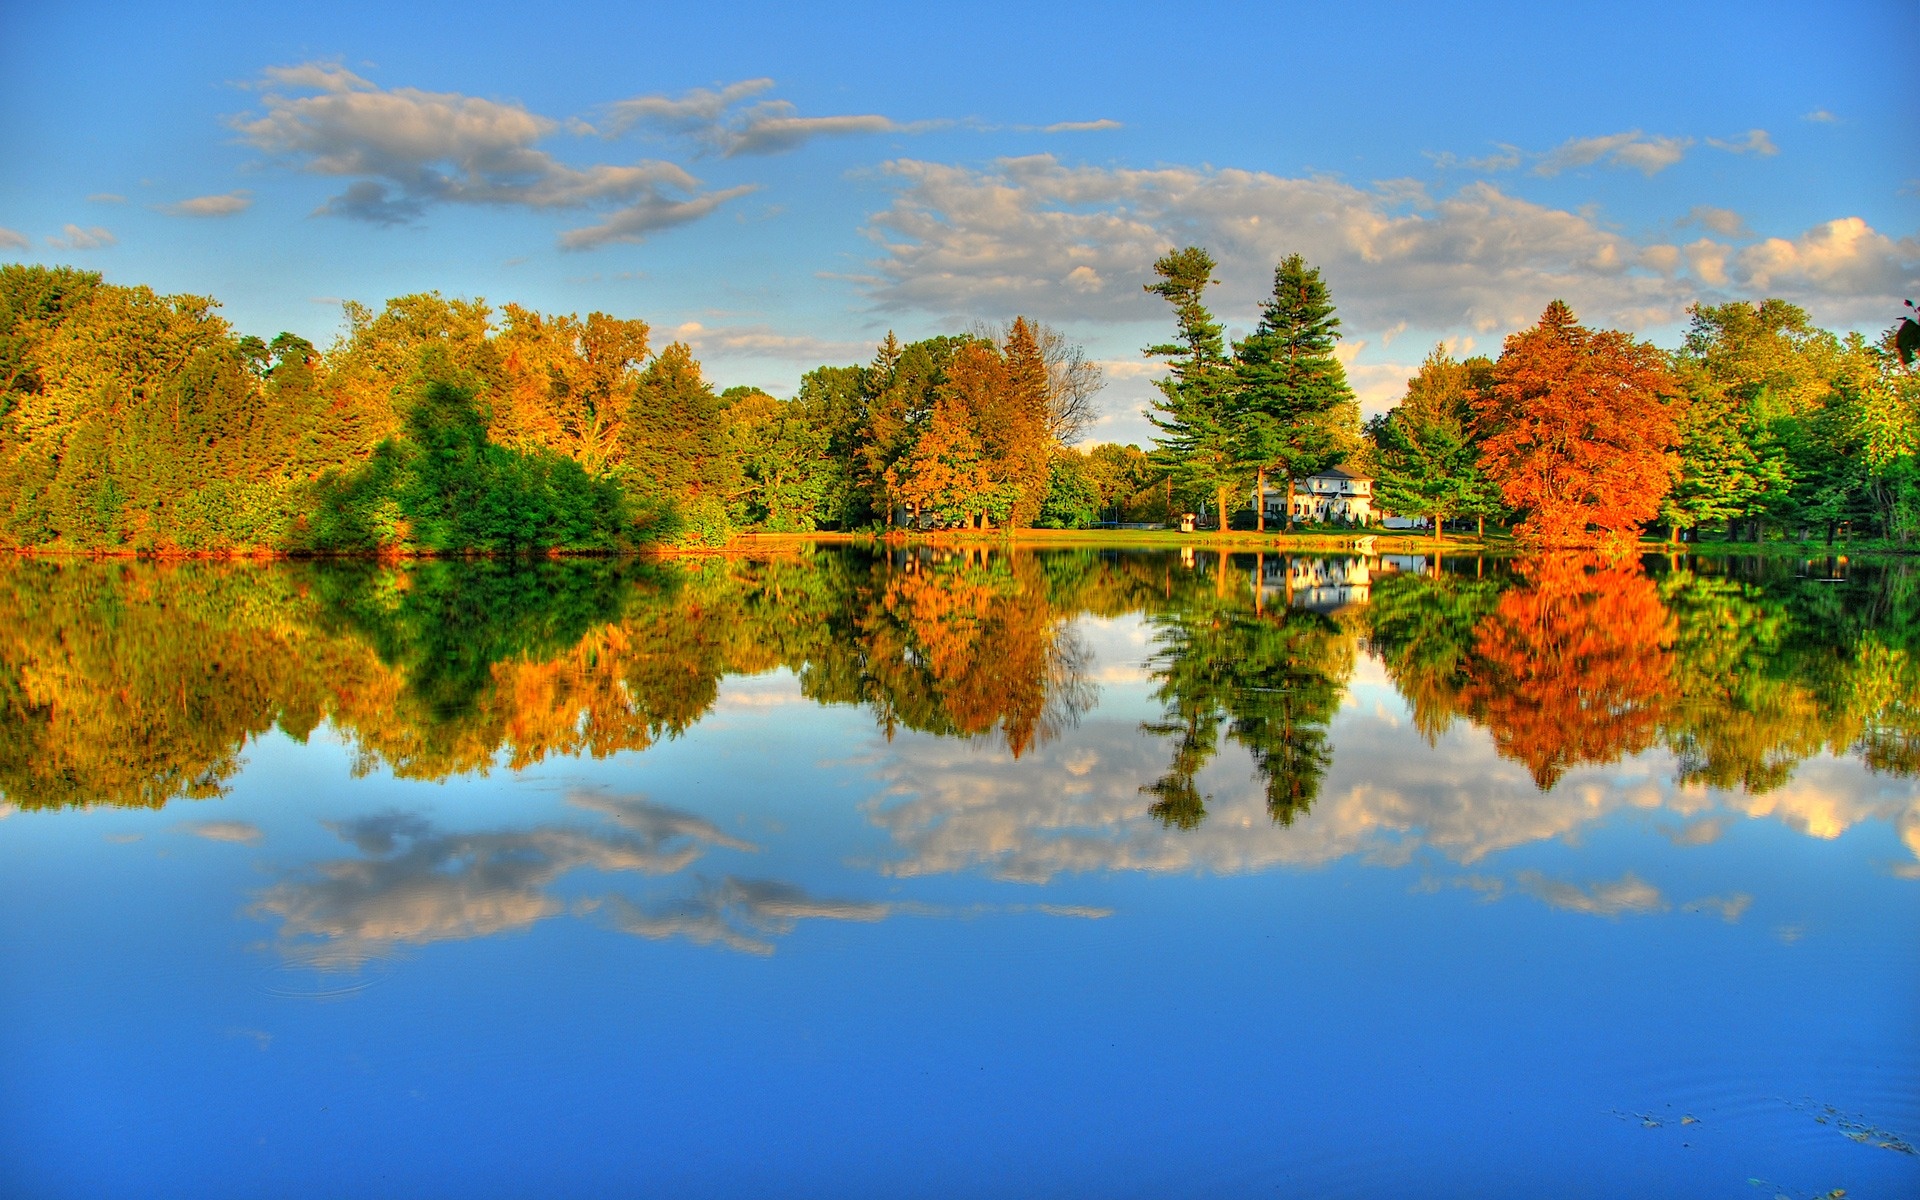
[961, 872]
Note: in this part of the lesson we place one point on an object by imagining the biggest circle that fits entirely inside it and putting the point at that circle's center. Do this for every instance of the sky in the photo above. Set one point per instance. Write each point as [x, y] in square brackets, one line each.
[780, 186]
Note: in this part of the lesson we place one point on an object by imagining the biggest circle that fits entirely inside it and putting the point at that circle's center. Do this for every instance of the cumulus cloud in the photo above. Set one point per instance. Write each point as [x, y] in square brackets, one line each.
[1820, 116]
[1081, 126]
[723, 123]
[1723, 221]
[1843, 257]
[1075, 243]
[1036, 236]
[13, 239]
[408, 149]
[1646, 154]
[226, 204]
[73, 237]
[1754, 141]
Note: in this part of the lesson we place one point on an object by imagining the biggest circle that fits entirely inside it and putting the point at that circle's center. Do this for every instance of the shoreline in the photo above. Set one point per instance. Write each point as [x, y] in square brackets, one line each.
[1493, 546]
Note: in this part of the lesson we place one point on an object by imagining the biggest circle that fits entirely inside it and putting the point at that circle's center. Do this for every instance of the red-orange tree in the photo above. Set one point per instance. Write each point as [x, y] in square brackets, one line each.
[1579, 427]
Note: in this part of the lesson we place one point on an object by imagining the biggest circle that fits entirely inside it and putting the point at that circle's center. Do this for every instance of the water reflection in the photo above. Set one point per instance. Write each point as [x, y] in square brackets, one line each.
[412, 884]
[137, 684]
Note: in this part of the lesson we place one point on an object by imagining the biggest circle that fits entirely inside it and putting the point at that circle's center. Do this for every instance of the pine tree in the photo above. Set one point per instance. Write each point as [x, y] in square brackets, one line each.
[1292, 389]
[1197, 411]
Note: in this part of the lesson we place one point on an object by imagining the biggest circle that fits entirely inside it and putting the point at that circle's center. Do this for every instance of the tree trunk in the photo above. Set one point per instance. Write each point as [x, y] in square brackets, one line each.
[1289, 501]
[1220, 495]
[1483, 529]
[1260, 501]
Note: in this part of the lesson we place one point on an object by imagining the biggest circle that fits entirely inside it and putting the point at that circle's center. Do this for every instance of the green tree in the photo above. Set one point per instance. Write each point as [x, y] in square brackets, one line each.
[1294, 404]
[674, 435]
[1197, 412]
[1426, 452]
[1073, 499]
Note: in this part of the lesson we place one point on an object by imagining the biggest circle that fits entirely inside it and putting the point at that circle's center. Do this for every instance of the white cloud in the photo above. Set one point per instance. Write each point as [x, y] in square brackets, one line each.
[1081, 126]
[1755, 141]
[1504, 158]
[717, 120]
[740, 914]
[692, 112]
[93, 237]
[1820, 116]
[1074, 244]
[225, 831]
[226, 204]
[1628, 894]
[1729, 908]
[1647, 154]
[411, 884]
[1708, 260]
[1844, 257]
[771, 128]
[106, 198]
[408, 149]
[1071, 243]
[763, 341]
[650, 215]
[1723, 221]
[13, 239]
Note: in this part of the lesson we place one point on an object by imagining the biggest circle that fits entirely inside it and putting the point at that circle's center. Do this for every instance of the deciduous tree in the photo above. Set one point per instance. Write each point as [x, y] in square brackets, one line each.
[1578, 431]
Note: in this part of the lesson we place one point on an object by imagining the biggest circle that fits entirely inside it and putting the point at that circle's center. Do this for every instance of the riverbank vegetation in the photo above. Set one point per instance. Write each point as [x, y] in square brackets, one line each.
[132, 422]
[1759, 425]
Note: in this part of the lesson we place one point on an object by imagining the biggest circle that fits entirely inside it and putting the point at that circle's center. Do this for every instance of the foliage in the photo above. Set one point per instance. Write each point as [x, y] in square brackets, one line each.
[1201, 439]
[1578, 428]
[1427, 449]
[1073, 499]
[445, 488]
[1296, 413]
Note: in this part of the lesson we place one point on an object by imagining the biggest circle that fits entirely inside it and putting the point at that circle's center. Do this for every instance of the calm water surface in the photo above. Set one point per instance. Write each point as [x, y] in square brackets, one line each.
[988, 874]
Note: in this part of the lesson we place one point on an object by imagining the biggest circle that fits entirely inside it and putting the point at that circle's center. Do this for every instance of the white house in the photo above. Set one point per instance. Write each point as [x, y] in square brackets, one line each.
[1334, 494]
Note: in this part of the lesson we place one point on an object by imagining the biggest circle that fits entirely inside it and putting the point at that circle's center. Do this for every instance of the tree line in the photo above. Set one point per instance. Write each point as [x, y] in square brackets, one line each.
[1759, 422]
[132, 421]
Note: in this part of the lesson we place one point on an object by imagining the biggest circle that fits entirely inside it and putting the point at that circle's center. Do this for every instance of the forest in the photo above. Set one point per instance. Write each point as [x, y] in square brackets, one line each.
[132, 422]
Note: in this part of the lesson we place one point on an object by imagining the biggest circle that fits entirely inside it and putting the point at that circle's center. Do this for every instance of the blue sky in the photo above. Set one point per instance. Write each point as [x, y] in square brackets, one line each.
[780, 186]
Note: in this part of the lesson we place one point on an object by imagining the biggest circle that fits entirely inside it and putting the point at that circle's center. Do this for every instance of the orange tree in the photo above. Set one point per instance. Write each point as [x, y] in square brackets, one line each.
[1579, 427]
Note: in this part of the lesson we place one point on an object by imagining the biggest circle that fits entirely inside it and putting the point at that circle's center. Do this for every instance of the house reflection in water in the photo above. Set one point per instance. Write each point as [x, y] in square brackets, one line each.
[1329, 584]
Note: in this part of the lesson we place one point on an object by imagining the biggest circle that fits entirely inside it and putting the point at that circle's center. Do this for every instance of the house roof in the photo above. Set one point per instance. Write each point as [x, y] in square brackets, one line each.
[1337, 473]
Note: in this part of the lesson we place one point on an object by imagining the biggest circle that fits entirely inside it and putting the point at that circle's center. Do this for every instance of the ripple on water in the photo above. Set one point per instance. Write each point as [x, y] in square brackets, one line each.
[321, 973]
[1861, 1098]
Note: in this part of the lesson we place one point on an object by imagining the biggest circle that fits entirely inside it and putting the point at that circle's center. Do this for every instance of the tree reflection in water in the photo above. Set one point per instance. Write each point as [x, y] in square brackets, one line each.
[1273, 677]
[137, 683]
